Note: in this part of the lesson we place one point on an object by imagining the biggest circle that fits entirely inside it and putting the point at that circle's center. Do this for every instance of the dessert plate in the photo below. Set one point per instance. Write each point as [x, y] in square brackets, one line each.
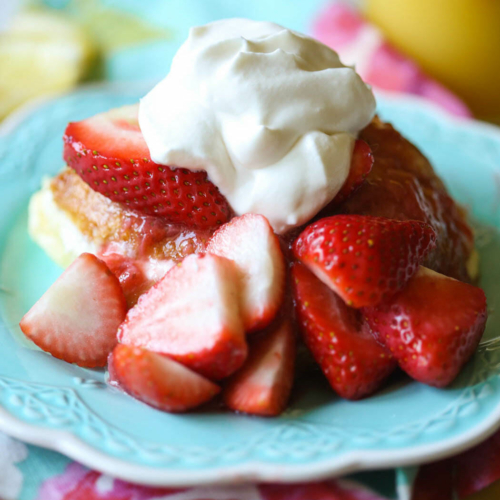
[70, 409]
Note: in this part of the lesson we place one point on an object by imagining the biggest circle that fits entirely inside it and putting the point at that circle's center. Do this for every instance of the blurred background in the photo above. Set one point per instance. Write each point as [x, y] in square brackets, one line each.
[447, 51]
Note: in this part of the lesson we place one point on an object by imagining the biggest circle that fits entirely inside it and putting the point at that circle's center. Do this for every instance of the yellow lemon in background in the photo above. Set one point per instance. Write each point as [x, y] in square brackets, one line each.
[455, 41]
[40, 53]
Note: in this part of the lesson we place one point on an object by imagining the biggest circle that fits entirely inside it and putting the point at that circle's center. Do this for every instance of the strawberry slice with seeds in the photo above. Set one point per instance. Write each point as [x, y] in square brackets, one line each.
[354, 363]
[361, 165]
[362, 258]
[250, 242]
[432, 327]
[159, 381]
[193, 316]
[110, 154]
[263, 385]
[402, 185]
[76, 320]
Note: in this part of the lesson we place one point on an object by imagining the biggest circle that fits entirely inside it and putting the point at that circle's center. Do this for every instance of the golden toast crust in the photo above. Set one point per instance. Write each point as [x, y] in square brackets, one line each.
[108, 224]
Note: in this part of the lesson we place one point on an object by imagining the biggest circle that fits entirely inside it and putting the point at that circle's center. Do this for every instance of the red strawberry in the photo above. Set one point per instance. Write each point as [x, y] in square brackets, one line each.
[354, 363]
[402, 185]
[130, 275]
[159, 381]
[192, 315]
[362, 258]
[361, 165]
[136, 276]
[262, 386]
[432, 326]
[250, 242]
[77, 318]
[110, 154]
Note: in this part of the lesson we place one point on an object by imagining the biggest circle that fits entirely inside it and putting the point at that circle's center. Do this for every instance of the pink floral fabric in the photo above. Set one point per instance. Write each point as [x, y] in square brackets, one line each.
[80, 483]
[360, 43]
[454, 478]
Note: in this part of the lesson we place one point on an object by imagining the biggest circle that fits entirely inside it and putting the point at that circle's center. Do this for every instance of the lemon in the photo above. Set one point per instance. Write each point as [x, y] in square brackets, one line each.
[455, 41]
[40, 53]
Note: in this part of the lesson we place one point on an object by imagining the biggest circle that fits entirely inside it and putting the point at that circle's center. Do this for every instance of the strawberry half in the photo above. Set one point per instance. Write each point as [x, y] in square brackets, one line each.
[263, 385]
[130, 275]
[159, 381]
[110, 154]
[136, 277]
[192, 315]
[354, 363]
[361, 165]
[250, 242]
[361, 258]
[77, 318]
[432, 326]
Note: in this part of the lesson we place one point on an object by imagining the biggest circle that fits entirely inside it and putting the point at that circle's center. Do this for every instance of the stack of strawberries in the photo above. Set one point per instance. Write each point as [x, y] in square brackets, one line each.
[226, 318]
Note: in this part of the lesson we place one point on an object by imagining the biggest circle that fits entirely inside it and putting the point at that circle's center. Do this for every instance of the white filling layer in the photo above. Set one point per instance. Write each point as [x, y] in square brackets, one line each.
[53, 229]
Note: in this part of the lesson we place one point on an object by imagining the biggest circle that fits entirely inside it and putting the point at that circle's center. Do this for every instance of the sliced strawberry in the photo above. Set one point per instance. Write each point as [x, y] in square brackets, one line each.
[402, 185]
[432, 326]
[354, 363]
[110, 154]
[192, 315]
[77, 318]
[159, 381]
[131, 277]
[361, 165]
[362, 258]
[262, 386]
[136, 277]
[250, 242]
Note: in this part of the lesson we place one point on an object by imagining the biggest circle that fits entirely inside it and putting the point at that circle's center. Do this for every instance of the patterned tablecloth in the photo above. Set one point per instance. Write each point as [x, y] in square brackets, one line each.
[136, 40]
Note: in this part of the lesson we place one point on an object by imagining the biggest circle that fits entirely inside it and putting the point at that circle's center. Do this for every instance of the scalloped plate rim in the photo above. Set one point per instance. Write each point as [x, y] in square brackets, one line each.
[351, 461]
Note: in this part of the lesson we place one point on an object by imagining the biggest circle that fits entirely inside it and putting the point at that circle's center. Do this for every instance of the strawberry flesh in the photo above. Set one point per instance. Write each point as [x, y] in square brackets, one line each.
[159, 381]
[354, 363]
[136, 276]
[263, 385]
[432, 326]
[130, 275]
[110, 154]
[193, 316]
[250, 242]
[76, 320]
[361, 166]
[364, 259]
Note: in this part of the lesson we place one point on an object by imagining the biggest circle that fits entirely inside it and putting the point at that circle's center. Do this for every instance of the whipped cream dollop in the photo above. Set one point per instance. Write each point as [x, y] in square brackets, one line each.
[270, 114]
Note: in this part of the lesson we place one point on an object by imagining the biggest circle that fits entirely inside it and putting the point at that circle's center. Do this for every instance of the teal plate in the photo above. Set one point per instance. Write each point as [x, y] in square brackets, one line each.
[53, 404]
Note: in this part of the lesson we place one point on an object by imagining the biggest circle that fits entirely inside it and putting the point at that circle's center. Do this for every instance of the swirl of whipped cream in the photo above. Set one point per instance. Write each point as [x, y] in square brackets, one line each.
[270, 114]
